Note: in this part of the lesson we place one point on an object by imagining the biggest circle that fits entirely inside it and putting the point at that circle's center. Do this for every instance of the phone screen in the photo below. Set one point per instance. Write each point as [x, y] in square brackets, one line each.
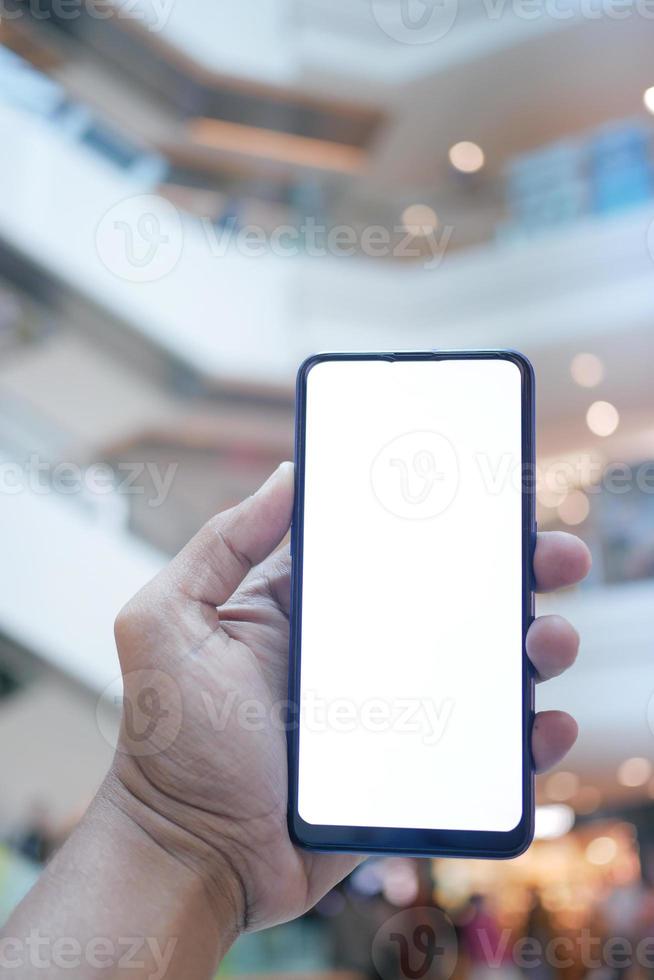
[411, 680]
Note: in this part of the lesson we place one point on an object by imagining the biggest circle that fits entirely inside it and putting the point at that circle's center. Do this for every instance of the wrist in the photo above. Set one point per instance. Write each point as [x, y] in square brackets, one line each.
[117, 895]
[187, 861]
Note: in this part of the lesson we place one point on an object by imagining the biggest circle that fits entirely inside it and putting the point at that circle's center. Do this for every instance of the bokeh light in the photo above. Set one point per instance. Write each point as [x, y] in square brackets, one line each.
[419, 219]
[466, 157]
[635, 771]
[575, 507]
[587, 370]
[602, 418]
[601, 850]
[562, 785]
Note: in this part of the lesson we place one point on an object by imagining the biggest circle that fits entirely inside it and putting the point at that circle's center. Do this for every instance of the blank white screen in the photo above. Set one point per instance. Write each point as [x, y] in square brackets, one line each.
[411, 626]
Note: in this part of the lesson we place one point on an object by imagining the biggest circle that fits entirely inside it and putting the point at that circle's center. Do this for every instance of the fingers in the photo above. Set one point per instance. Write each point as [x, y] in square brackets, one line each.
[552, 646]
[278, 578]
[560, 559]
[218, 558]
[326, 870]
[270, 581]
[553, 735]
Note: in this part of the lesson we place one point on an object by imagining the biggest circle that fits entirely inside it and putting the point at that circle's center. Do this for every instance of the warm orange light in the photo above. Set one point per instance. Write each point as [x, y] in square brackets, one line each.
[562, 785]
[601, 850]
[268, 144]
[587, 799]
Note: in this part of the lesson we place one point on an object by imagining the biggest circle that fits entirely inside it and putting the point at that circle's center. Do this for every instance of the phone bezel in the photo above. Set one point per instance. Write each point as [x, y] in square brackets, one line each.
[415, 841]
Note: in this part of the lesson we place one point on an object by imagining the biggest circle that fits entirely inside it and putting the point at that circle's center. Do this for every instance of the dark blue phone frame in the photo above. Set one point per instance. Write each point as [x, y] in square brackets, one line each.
[415, 841]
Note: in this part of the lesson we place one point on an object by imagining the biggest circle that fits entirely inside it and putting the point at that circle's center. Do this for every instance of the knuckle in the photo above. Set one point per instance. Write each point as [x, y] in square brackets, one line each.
[220, 530]
[130, 622]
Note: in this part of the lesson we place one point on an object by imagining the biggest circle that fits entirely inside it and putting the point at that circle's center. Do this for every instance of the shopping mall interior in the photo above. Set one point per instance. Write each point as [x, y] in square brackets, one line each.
[195, 196]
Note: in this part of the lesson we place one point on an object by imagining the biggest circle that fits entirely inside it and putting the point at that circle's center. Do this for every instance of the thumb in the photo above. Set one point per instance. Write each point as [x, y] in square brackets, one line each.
[214, 563]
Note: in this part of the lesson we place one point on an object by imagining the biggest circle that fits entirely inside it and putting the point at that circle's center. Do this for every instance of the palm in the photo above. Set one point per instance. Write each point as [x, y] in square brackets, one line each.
[216, 623]
[255, 630]
[228, 765]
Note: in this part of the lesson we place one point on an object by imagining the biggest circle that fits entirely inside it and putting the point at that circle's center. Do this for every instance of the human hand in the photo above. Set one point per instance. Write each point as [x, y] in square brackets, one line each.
[209, 636]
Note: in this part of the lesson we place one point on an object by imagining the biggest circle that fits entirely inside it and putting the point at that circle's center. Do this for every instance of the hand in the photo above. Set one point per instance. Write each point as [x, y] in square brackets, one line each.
[208, 783]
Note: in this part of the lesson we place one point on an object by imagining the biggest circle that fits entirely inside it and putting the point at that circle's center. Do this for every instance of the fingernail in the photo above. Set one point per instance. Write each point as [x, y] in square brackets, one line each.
[283, 468]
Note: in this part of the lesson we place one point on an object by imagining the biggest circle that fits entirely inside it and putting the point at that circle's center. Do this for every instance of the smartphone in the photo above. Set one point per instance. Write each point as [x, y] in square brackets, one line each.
[411, 696]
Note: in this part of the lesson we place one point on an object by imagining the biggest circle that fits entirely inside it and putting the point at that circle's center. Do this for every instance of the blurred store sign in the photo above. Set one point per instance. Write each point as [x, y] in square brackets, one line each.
[601, 172]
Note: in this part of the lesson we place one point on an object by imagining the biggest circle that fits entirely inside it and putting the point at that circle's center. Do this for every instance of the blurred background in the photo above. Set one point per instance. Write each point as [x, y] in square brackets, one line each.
[196, 194]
